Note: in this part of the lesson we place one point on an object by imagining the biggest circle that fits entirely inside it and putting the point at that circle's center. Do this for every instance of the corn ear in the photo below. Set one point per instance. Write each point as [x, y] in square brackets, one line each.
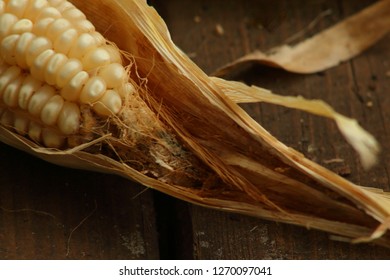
[180, 133]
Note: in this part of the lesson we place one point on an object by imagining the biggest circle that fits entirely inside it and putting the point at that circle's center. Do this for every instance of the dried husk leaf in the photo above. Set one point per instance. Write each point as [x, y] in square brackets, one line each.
[326, 49]
[245, 169]
[363, 142]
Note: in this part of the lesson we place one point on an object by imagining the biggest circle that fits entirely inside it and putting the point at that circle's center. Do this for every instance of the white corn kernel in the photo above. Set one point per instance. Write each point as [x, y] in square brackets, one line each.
[71, 91]
[99, 39]
[21, 124]
[126, 90]
[84, 43]
[93, 90]
[84, 26]
[39, 65]
[73, 15]
[63, 6]
[95, 58]
[109, 104]
[57, 28]
[29, 87]
[114, 74]
[65, 41]
[6, 23]
[39, 99]
[52, 109]
[36, 47]
[41, 26]
[69, 118]
[11, 92]
[9, 75]
[48, 12]
[21, 47]
[17, 7]
[115, 56]
[68, 71]
[7, 48]
[22, 26]
[35, 131]
[53, 66]
[35, 8]
[51, 138]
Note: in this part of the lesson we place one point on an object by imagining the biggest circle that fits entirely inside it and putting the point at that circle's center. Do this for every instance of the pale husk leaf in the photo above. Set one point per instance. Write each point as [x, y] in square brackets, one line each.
[326, 49]
[362, 141]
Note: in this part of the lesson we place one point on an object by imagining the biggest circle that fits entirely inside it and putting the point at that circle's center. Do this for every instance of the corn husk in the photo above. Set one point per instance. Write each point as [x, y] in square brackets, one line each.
[203, 148]
[326, 49]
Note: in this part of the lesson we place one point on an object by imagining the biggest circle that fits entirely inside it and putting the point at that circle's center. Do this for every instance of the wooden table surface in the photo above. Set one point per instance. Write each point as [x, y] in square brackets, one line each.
[50, 212]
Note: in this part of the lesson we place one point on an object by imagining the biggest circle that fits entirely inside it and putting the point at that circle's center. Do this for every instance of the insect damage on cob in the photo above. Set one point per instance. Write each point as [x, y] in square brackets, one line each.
[63, 84]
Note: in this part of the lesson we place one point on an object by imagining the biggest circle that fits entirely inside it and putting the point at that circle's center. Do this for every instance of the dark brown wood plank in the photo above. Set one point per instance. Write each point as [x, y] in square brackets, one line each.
[358, 88]
[50, 212]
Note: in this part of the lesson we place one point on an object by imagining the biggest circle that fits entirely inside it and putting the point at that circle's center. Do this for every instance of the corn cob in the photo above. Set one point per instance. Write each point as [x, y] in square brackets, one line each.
[55, 68]
[62, 84]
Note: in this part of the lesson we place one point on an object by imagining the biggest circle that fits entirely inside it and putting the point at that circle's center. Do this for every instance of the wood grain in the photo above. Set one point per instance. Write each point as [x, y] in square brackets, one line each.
[50, 212]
